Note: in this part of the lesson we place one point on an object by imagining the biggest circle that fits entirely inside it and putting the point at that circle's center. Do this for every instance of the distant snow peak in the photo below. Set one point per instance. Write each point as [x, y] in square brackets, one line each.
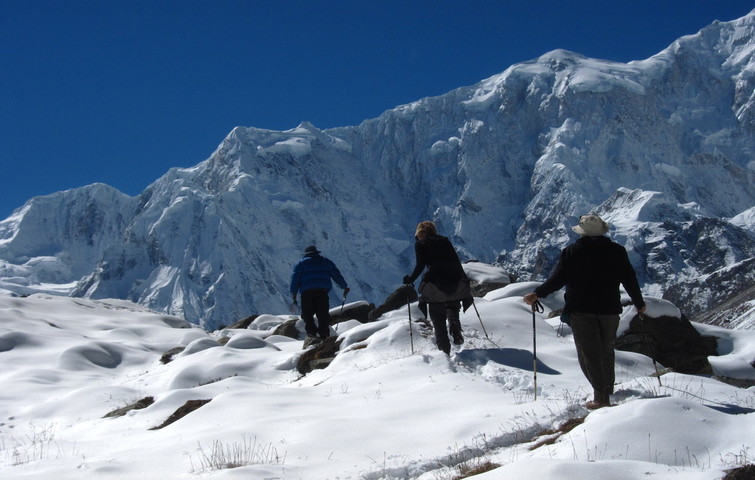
[662, 148]
[306, 127]
[745, 220]
[631, 206]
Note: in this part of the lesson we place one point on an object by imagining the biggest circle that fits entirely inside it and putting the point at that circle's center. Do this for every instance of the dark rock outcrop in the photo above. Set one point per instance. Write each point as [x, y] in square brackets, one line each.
[168, 356]
[319, 355]
[480, 289]
[718, 296]
[360, 312]
[745, 472]
[244, 323]
[182, 411]
[672, 342]
[399, 298]
[288, 329]
[119, 412]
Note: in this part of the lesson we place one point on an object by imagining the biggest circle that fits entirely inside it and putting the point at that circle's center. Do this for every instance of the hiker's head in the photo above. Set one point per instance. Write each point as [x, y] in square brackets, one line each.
[424, 229]
[311, 250]
[591, 226]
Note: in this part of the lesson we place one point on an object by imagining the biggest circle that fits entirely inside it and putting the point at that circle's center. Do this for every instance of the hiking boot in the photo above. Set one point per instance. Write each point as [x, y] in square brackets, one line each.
[595, 404]
[458, 338]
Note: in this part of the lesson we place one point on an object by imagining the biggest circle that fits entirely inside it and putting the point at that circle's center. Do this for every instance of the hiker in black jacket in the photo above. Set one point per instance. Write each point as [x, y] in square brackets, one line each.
[443, 286]
[591, 269]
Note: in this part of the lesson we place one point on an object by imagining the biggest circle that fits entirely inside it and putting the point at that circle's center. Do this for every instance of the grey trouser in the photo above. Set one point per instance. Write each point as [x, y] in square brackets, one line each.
[594, 337]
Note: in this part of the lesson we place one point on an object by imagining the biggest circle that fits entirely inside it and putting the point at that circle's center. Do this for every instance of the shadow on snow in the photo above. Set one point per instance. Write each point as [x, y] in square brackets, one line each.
[510, 357]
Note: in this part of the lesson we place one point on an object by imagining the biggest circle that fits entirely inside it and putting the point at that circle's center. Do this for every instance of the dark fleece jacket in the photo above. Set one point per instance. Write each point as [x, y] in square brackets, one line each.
[591, 269]
[443, 265]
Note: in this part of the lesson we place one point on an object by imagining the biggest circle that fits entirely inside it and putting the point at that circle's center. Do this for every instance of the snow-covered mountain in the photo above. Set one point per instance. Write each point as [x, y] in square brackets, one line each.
[662, 148]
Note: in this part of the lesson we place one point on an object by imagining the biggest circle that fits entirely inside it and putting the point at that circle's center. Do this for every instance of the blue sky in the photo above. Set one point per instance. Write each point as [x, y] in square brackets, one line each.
[120, 91]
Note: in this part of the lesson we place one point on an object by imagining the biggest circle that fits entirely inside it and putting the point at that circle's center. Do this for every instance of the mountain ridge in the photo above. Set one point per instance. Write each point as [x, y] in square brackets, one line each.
[504, 167]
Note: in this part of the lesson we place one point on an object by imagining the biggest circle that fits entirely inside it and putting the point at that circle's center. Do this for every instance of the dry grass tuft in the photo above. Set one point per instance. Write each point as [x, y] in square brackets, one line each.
[553, 435]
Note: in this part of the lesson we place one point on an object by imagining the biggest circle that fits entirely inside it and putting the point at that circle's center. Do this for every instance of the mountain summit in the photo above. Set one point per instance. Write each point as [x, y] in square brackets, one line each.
[662, 148]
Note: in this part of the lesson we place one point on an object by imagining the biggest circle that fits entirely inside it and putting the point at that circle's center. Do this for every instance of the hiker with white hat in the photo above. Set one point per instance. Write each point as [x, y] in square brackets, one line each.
[591, 269]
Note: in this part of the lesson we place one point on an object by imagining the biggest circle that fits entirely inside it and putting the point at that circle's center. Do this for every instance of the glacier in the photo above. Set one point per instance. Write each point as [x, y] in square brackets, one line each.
[662, 148]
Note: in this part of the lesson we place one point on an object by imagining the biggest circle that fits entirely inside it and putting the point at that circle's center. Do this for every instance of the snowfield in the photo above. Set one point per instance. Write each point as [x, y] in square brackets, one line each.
[389, 406]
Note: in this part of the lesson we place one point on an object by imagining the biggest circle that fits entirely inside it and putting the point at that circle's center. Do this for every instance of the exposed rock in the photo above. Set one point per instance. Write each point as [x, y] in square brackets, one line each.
[319, 355]
[167, 357]
[288, 329]
[483, 288]
[360, 311]
[310, 341]
[726, 290]
[732, 313]
[244, 324]
[182, 411]
[745, 472]
[737, 382]
[399, 298]
[119, 412]
[672, 342]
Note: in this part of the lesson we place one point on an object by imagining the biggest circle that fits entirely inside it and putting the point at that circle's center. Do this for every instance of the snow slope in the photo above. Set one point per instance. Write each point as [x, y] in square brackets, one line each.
[379, 411]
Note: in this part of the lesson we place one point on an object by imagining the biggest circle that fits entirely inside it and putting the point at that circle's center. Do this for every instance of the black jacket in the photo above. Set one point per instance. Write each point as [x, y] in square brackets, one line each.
[591, 269]
[443, 265]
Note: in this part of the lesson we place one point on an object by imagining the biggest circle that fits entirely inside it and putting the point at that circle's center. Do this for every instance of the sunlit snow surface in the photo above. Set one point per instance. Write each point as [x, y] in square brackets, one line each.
[380, 410]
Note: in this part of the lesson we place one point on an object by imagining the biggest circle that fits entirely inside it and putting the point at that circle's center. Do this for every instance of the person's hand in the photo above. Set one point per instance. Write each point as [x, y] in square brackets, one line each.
[641, 309]
[294, 307]
[407, 280]
[530, 298]
[346, 291]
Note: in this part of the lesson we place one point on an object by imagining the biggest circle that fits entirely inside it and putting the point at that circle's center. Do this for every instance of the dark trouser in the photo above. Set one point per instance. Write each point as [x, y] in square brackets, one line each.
[315, 302]
[594, 337]
[439, 312]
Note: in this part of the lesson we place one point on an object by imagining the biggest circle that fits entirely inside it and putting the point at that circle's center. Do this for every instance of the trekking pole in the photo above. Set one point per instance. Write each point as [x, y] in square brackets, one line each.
[480, 318]
[650, 347]
[344, 302]
[482, 324]
[409, 309]
[340, 314]
[537, 307]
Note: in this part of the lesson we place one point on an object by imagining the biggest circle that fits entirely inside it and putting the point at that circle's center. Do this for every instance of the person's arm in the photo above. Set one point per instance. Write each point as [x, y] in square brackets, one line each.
[556, 281]
[335, 274]
[295, 283]
[421, 263]
[630, 283]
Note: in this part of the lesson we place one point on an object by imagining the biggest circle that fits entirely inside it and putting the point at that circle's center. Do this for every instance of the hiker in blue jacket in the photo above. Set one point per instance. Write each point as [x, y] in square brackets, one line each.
[312, 278]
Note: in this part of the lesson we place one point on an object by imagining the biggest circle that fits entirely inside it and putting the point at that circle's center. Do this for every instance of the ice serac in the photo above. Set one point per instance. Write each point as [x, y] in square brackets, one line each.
[662, 147]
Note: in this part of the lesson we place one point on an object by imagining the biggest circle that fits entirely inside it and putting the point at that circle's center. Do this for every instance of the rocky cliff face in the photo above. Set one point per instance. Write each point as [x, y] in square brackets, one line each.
[662, 148]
